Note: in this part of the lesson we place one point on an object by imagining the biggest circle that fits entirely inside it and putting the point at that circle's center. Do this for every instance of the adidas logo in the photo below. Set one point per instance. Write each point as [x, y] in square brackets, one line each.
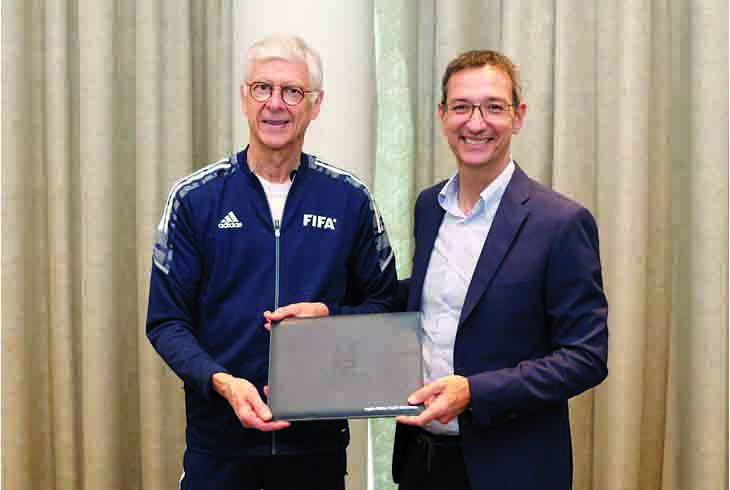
[230, 221]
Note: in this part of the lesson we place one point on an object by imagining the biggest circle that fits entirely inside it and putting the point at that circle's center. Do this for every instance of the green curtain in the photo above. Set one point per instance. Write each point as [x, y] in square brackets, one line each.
[394, 185]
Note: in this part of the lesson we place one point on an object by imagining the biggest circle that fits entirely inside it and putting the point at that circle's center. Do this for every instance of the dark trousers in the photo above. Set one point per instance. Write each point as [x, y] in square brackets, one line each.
[431, 462]
[325, 471]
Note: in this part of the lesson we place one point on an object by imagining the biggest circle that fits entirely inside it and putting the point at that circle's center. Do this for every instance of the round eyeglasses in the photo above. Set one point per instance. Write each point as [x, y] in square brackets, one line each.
[291, 95]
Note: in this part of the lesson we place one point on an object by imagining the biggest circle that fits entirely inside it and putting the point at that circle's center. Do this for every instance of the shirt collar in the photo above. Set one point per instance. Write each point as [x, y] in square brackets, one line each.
[449, 196]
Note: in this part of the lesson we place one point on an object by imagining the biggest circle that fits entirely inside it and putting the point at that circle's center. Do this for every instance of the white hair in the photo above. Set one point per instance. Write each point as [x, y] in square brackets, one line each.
[288, 48]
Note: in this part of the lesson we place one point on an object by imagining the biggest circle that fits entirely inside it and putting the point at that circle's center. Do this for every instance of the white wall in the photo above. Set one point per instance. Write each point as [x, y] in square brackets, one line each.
[344, 133]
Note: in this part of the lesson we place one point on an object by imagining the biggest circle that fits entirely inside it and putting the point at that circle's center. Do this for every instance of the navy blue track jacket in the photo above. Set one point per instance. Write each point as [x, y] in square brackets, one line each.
[220, 261]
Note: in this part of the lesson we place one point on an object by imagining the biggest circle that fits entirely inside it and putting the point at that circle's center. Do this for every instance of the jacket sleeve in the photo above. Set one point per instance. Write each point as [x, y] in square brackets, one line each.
[172, 310]
[576, 314]
[372, 283]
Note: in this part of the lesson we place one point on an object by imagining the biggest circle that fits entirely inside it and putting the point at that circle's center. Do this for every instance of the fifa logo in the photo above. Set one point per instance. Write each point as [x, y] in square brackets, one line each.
[321, 222]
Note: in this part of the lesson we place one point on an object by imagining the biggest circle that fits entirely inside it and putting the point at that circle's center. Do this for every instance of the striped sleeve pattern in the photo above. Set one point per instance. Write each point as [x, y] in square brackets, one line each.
[382, 244]
[164, 243]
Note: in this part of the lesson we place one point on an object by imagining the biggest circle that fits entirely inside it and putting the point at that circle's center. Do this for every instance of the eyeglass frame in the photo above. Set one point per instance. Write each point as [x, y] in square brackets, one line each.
[281, 92]
[447, 110]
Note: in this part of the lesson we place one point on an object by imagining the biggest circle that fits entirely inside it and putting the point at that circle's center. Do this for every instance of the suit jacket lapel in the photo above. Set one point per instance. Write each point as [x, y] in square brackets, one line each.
[508, 220]
[428, 228]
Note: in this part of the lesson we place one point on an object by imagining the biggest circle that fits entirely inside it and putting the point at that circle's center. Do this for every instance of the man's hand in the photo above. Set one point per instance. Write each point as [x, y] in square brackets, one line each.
[296, 310]
[445, 399]
[246, 402]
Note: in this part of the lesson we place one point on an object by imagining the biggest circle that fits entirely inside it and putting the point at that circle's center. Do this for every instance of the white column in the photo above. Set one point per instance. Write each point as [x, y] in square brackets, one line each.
[342, 32]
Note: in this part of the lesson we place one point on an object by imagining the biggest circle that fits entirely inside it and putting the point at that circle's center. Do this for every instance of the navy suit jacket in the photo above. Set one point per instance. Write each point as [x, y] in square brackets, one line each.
[532, 334]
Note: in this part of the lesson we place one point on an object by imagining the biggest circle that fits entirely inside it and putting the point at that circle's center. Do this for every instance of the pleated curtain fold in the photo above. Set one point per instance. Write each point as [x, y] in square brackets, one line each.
[106, 103]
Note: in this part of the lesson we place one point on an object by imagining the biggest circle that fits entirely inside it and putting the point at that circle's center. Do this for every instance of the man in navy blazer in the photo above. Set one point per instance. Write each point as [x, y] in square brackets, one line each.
[508, 276]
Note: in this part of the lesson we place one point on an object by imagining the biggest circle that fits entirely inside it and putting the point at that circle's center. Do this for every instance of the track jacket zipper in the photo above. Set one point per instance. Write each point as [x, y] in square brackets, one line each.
[277, 235]
[277, 279]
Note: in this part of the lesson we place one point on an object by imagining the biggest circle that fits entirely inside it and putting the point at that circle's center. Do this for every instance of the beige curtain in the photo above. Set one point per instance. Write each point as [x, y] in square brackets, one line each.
[628, 114]
[106, 103]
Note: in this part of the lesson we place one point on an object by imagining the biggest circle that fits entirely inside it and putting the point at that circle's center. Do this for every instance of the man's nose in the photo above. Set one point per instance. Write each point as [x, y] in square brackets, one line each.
[477, 120]
[276, 102]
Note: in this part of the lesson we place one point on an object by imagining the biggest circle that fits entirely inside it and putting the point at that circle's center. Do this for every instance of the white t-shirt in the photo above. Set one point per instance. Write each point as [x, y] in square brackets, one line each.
[276, 195]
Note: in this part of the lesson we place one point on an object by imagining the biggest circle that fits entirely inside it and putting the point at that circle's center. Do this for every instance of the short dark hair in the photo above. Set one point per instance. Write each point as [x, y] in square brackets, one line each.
[485, 57]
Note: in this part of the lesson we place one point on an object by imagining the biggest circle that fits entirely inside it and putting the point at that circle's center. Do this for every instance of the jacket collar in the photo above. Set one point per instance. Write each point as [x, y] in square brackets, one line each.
[241, 158]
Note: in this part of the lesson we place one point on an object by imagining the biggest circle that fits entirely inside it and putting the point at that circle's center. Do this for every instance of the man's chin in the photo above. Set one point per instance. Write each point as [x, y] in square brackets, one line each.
[472, 160]
[277, 143]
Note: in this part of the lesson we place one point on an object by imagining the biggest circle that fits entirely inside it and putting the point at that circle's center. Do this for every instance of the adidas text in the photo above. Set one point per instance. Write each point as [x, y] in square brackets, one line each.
[230, 221]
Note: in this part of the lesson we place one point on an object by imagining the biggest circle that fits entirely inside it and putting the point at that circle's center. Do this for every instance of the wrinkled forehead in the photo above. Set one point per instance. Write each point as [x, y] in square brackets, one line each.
[279, 70]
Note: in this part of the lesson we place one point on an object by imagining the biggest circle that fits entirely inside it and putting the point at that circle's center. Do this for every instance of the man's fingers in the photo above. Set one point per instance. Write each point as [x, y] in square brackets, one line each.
[437, 402]
[268, 316]
[426, 393]
[428, 401]
[250, 420]
[407, 419]
[261, 410]
[430, 413]
[254, 414]
[421, 419]
[250, 401]
[312, 309]
[271, 426]
[264, 415]
[281, 313]
[297, 310]
[249, 407]
[247, 416]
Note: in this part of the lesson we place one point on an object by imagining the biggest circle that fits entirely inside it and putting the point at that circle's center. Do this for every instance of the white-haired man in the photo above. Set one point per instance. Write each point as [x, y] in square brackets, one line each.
[238, 240]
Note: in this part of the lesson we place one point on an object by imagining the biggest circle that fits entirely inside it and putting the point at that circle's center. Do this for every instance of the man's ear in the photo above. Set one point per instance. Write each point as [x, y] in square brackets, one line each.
[520, 113]
[317, 104]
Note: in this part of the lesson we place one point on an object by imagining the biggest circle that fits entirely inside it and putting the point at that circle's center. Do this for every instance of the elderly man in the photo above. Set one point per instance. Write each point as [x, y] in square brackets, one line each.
[508, 276]
[266, 227]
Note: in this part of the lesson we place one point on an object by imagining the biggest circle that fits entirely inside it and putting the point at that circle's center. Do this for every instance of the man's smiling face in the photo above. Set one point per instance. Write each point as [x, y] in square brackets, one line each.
[274, 125]
[481, 142]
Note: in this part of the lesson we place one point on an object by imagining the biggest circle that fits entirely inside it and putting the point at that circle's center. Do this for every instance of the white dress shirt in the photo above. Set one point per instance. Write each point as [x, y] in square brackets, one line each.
[455, 254]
